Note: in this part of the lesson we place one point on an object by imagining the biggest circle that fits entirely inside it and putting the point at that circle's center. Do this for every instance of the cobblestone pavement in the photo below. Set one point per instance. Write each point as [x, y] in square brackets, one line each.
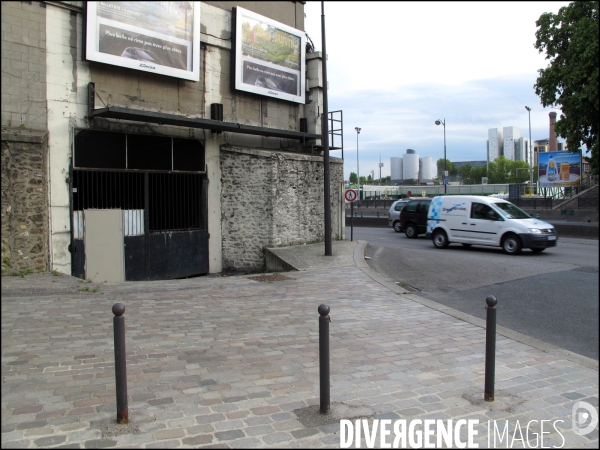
[232, 362]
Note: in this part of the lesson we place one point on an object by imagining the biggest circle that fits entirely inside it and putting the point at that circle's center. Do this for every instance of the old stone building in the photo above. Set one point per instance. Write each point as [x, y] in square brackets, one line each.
[142, 143]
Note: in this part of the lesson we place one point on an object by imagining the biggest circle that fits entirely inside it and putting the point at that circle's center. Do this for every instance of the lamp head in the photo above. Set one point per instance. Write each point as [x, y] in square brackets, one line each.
[437, 122]
[528, 108]
[357, 130]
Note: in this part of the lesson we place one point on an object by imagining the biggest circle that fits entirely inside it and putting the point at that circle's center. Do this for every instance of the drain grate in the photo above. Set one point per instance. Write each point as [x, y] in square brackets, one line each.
[407, 286]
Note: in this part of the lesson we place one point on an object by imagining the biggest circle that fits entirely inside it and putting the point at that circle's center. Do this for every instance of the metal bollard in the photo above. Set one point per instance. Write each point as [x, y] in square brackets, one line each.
[120, 363]
[324, 320]
[490, 348]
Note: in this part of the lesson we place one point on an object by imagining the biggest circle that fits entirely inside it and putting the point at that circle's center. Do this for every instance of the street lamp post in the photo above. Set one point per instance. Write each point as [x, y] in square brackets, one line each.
[357, 172]
[443, 122]
[530, 152]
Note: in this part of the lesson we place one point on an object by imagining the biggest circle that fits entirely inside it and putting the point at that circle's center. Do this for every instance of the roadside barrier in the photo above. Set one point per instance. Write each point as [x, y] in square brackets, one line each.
[120, 363]
[490, 348]
[324, 320]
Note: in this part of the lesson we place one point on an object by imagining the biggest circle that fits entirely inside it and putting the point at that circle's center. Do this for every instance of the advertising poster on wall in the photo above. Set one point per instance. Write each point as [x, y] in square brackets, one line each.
[558, 169]
[158, 37]
[269, 57]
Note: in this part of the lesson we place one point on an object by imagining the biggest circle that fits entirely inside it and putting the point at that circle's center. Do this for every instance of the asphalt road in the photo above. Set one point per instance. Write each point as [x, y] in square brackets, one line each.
[551, 296]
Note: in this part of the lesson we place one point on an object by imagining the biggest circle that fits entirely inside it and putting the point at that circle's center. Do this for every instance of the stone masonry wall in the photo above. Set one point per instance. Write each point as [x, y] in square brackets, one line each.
[273, 199]
[24, 202]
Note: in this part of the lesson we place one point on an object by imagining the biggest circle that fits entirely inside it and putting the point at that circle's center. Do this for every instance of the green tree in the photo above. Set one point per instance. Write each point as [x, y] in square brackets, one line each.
[504, 171]
[570, 41]
[449, 167]
[353, 178]
[464, 172]
[477, 173]
[521, 175]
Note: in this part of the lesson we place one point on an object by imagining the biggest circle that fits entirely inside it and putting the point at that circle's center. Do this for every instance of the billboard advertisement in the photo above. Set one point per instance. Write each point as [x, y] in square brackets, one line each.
[268, 57]
[559, 169]
[157, 37]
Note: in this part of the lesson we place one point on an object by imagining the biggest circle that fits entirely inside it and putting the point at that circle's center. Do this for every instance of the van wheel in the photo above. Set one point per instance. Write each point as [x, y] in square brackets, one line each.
[411, 231]
[511, 245]
[440, 240]
[397, 227]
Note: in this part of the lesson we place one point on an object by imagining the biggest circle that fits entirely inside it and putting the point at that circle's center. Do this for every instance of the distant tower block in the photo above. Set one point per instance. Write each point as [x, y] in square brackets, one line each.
[552, 145]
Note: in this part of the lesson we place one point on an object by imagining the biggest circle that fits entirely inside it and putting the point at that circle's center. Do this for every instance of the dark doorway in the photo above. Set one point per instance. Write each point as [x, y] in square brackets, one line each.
[160, 185]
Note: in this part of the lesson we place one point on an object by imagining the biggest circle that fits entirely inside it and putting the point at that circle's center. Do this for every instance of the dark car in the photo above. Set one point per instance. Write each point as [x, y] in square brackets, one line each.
[394, 214]
[413, 217]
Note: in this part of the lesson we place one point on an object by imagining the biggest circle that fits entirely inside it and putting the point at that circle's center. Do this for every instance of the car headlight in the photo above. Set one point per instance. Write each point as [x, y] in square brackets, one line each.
[535, 231]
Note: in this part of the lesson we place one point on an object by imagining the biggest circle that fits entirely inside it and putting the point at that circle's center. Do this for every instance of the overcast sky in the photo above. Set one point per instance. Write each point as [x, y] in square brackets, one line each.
[396, 67]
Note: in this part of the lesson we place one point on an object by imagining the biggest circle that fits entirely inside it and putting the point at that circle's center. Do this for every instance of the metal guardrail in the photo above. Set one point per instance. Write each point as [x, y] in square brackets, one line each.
[395, 192]
[373, 203]
[532, 202]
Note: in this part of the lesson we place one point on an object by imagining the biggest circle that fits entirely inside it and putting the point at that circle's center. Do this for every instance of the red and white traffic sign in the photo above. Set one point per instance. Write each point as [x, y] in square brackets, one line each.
[350, 195]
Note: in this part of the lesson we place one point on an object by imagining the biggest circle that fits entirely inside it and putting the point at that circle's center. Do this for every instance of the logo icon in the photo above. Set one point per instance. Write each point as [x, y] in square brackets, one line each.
[584, 413]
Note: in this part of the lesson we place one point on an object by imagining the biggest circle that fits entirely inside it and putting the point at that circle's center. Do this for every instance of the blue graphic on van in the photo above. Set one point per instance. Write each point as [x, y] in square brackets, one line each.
[435, 212]
[458, 207]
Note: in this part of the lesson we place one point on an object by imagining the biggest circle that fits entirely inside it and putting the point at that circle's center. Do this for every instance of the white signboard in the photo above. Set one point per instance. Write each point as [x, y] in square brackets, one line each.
[269, 57]
[157, 37]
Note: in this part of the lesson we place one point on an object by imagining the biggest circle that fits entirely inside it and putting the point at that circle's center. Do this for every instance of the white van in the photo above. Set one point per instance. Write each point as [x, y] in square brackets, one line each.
[479, 220]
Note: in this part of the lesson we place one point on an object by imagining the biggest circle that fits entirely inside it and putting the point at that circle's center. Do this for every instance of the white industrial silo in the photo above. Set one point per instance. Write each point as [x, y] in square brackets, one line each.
[426, 168]
[410, 165]
[396, 168]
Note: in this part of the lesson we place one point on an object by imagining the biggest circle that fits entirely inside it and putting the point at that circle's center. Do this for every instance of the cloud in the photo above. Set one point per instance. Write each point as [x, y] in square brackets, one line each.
[396, 67]
[393, 120]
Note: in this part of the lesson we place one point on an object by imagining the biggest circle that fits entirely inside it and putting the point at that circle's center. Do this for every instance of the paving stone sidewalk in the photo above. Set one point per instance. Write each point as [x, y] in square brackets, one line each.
[232, 362]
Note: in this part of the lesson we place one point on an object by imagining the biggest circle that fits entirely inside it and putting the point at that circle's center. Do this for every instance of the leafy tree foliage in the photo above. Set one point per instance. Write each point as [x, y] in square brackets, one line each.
[570, 41]
[464, 172]
[449, 167]
[476, 174]
[353, 178]
[503, 171]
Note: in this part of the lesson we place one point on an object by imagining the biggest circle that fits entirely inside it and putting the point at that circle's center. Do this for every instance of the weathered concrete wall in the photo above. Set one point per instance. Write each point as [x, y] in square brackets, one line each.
[272, 199]
[24, 201]
[67, 76]
[287, 12]
[24, 65]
